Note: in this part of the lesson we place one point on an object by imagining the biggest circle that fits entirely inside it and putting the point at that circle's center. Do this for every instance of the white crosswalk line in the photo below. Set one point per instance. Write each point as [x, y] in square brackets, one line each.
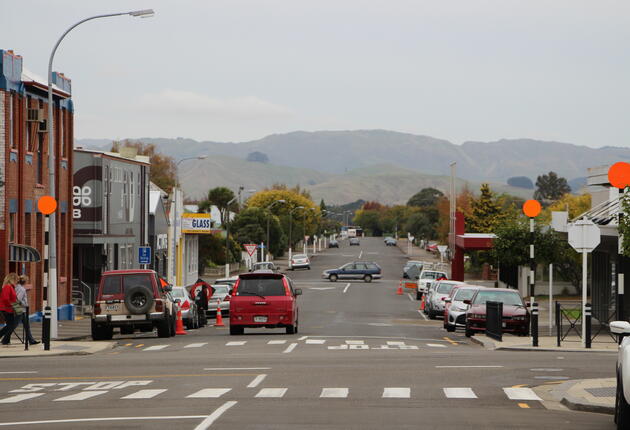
[337, 393]
[397, 392]
[196, 345]
[144, 394]
[395, 343]
[521, 394]
[271, 392]
[257, 380]
[236, 343]
[436, 345]
[20, 397]
[355, 342]
[459, 393]
[276, 342]
[84, 395]
[315, 341]
[209, 393]
[155, 347]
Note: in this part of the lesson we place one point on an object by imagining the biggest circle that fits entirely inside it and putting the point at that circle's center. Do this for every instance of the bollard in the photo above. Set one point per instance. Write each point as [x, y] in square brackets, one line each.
[534, 324]
[24, 326]
[558, 321]
[588, 315]
[46, 329]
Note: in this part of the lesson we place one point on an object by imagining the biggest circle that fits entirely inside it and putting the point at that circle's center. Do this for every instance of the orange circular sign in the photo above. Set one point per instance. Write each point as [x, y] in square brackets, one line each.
[531, 208]
[619, 175]
[47, 205]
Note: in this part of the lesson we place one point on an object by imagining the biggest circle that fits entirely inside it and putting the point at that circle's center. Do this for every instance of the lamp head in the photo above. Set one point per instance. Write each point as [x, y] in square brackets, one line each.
[144, 13]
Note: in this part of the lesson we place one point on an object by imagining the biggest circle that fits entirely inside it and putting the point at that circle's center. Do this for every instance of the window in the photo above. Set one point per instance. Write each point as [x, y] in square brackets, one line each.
[130, 281]
[40, 158]
[261, 287]
[360, 266]
[445, 288]
[12, 227]
[29, 144]
[462, 295]
[11, 120]
[111, 285]
[28, 236]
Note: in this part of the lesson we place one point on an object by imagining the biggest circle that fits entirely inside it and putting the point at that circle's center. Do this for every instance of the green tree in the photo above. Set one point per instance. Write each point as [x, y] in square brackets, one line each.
[250, 226]
[369, 220]
[163, 172]
[551, 187]
[486, 212]
[426, 197]
[420, 225]
[221, 198]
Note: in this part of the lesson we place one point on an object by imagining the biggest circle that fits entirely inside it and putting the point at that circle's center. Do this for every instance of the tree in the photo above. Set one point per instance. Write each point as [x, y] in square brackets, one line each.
[551, 187]
[521, 182]
[258, 157]
[163, 171]
[486, 212]
[420, 225]
[220, 197]
[575, 204]
[369, 220]
[322, 206]
[425, 197]
[250, 226]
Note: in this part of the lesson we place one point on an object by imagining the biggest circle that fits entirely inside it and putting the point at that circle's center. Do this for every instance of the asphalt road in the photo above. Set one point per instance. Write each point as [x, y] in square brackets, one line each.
[364, 359]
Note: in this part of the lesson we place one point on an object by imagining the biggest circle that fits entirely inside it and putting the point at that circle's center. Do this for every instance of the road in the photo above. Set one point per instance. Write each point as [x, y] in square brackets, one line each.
[364, 359]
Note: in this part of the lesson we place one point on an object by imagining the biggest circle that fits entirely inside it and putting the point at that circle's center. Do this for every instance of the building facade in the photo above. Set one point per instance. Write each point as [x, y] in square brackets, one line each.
[24, 176]
[158, 230]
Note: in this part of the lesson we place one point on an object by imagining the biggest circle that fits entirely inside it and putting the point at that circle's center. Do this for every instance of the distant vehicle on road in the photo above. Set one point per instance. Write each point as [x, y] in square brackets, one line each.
[300, 261]
[455, 312]
[265, 265]
[426, 278]
[354, 241]
[622, 401]
[515, 313]
[356, 270]
[412, 269]
[439, 291]
[390, 242]
[264, 300]
[352, 232]
[333, 244]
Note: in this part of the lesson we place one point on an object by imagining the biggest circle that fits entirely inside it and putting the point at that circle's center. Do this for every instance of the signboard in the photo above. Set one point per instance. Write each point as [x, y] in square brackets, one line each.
[196, 223]
[144, 255]
[584, 236]
[442, 248]
[250, 248]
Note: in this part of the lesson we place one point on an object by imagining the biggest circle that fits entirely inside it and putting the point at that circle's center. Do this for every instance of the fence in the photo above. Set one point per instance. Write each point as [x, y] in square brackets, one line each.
[82, 296]
[494, 320]
[569, 321]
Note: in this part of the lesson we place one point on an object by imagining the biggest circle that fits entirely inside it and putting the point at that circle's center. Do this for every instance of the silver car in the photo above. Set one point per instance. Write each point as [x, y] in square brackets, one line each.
[187, 306]
[438, 292]
[456, 316]
[220, 298]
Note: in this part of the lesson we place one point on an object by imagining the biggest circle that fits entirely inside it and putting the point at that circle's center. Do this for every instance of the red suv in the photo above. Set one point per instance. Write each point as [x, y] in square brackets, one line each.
[264, 300]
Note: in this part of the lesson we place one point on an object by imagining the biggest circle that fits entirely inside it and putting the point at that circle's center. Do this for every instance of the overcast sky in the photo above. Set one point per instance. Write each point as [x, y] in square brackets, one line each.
[234, 70]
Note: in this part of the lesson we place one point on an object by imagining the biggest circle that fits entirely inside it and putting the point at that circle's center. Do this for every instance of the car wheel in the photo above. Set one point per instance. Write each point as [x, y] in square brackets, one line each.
[432, 315]
[450, 328]
[235, 330]
[333, 278]
[468, 332]
[308, 267]
[164, 328]
[102, 332]
[367, 278]
[291, 329]
[622, 409]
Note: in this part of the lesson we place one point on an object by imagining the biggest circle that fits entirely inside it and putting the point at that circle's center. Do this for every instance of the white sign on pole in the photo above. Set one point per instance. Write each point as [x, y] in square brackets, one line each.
[584, 235]
[250, 248]
[442, 248]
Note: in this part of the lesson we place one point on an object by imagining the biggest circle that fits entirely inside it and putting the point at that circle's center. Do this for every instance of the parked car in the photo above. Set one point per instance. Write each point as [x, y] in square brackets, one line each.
[220, 297]
[515, 316]
[390, 242]
[357, 270]
[300, 261]
[264, 300]
[265, 265]
[425, 279]
[455, 308]
[187, 306]
[622, 406]
[412, 269]
[132, 300]
[439, 291]
[231, 281]
[333, 244]
[387, 238]
[354, 241]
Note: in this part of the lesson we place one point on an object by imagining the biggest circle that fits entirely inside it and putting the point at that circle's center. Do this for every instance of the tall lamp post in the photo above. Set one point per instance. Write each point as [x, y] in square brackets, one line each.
[227, 238]
[304, 229]
[52, 242]
[290, 231]
[268, 219]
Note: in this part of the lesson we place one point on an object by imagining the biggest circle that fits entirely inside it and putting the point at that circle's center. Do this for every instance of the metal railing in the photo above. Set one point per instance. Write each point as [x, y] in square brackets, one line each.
[494, 320]
[568, 319]
[82, 292]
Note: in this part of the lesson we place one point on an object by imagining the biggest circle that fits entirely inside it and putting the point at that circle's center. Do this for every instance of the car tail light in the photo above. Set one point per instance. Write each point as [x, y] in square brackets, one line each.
[159, 306]
[97, 309]
[186, 305]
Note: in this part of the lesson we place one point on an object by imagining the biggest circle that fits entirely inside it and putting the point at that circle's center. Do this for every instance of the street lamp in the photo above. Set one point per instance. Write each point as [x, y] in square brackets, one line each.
[304, 228]
[268, 219]
[227, 239]
[290, 237]
[52, 243]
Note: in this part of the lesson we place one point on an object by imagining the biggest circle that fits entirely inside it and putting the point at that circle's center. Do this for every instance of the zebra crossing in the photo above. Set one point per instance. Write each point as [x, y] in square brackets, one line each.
[453, 393]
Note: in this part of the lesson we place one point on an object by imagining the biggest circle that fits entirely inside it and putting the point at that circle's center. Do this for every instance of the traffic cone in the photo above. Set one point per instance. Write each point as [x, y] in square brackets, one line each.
[422, 303]
[219, 322]
[400, 290]
[179, 324]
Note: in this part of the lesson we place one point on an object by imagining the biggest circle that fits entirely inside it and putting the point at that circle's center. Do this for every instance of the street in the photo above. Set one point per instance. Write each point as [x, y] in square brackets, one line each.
[364, 358]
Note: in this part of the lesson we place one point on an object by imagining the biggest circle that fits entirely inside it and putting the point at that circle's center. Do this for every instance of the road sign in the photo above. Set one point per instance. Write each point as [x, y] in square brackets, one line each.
[144, 254]
[250, 248]
[442, 248]
[584, 236]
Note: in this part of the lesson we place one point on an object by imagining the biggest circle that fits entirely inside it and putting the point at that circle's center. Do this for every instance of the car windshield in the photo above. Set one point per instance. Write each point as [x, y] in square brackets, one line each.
[445, 288]
[178, 293]
[220, 290]
[143, 280]
[462, 295]
[432, 275]
[505, 297]
[261, 287]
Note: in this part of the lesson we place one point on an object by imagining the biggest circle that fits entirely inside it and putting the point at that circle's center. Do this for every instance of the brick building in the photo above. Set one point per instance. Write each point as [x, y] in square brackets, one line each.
[24, 175]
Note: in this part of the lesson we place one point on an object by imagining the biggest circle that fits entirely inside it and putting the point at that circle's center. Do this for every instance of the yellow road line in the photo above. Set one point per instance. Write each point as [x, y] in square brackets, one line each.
[139, 345]
[519, 386]
[62, 378]
[554, 382]
[523, 405]
[449, 340]
[128, 344]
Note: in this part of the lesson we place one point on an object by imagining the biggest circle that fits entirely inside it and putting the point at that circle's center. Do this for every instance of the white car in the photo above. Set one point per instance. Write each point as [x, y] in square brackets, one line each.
[300, 261]
[456, 316]
[425, 280]
[438, 292]
[622, 402]
[221, 298]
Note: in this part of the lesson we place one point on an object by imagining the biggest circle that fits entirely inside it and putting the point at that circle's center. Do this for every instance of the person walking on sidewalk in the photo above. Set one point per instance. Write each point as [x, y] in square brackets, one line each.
[20, 291]
[8, 302]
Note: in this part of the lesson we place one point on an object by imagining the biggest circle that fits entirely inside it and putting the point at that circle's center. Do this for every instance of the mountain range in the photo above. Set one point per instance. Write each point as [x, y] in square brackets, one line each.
[343, 166]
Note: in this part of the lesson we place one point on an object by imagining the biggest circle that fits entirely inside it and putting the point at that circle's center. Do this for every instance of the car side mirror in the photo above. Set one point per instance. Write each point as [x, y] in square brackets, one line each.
[168, 288]
[298, 292]
[621, 328]
[468, 302]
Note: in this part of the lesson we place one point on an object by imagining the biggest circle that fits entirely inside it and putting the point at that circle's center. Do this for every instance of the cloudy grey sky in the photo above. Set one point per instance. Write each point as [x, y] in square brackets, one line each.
[236, 70]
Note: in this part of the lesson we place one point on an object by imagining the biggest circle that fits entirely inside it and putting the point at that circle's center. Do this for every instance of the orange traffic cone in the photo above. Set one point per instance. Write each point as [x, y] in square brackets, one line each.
[400, 290]
[179, 324]
[422, 303]
[219, 322]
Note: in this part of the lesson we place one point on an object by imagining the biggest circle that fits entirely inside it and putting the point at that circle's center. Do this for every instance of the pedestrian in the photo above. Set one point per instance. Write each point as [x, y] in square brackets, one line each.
[20, 291]
[9, 306]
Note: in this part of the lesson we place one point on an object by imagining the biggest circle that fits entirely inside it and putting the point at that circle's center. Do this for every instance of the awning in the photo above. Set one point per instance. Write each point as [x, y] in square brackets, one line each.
[604, 213]
[23, 254]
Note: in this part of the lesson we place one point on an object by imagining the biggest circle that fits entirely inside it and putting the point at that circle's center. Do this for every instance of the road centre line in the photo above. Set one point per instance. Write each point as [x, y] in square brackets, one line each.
[25, 371]
[237, 368]
[467, 367]
[210, 419]
[257, 380]
[83, 420]
[346, 288]
[290, 348]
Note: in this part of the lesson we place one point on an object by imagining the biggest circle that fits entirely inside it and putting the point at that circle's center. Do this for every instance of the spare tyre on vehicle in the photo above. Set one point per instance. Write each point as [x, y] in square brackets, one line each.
[138, 300]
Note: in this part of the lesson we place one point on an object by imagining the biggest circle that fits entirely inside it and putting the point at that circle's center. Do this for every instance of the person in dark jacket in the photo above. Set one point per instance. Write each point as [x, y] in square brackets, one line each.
[7, 299]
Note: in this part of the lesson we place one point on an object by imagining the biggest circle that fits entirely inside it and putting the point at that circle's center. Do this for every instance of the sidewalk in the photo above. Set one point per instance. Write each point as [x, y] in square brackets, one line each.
[16, 349]
[67, 330]
[588, 395]
[545, 343]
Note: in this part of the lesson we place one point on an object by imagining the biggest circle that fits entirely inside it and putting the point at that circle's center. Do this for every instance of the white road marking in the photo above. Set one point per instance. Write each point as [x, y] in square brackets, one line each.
[276, 342]
[546, 370]
[395, 343]
[256, 381]
[237, 368]
[209, 393]
[552, 378]
[210, 419]
[322, 288]
[346, 288]
[358, 346]
[155, 348]
[25, 371]
[459, 393]
[84, 395]
[87, 420]
[196, 345]
[132, 384]
[20, 397]
[466, 367]
[355, 342]
[397, 392]
[436, 345]
[315, 341]
[290, 348]
[271, 392]
[360, 254]
[411, 297]
[423, 315]
[521, 394]
[303, 338]
[144, 394]
[236, 343]
[380, 324]
[337, 393]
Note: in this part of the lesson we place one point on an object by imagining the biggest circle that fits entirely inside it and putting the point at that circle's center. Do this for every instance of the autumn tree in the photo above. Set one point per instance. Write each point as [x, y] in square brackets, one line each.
[163, 172]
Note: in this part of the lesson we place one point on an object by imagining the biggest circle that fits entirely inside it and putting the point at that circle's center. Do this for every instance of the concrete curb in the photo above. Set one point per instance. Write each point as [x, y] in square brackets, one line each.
[580, 405]
[491, 345]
